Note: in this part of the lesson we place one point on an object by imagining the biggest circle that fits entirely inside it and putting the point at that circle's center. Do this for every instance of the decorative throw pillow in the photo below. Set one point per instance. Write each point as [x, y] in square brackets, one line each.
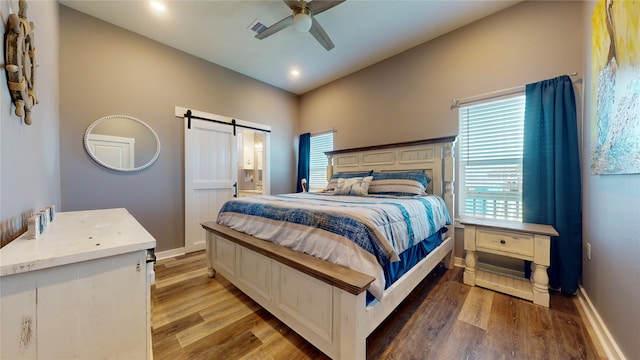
[358, 186]
[401, 183]
[334, 179]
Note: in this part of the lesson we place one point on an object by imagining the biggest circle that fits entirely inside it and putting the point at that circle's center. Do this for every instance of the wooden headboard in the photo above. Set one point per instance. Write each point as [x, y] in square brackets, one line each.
[434, 156]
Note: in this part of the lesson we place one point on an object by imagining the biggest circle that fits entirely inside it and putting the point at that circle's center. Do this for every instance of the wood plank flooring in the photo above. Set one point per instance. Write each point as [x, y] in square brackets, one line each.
[195, 317]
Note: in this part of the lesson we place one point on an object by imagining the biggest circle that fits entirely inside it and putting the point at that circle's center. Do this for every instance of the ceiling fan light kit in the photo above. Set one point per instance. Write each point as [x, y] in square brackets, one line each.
[303, 20]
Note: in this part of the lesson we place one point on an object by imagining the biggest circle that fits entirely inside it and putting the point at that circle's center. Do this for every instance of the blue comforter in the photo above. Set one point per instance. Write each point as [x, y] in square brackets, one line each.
[361, 232]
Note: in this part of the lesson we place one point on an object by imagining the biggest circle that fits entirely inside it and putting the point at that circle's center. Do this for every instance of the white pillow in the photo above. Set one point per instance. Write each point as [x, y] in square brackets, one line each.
[358, 186]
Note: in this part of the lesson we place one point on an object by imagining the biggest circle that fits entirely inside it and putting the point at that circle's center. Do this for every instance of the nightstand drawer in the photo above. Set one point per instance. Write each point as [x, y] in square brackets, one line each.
[505, 242]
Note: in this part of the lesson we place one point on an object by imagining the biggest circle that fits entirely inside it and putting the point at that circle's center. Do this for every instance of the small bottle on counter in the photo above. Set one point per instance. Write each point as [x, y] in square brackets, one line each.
[33, 227]
[52, 212]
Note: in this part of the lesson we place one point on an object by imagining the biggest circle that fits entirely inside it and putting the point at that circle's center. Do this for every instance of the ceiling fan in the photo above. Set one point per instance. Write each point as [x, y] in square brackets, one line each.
[302, 18]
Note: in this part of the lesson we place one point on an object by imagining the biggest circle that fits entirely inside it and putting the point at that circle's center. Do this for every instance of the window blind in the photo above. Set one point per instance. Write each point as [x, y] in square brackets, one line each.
[318, 160]
[491, 142]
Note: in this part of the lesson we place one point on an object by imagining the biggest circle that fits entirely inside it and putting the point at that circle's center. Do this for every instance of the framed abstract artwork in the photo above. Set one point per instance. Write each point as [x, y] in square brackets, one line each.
[615, 70]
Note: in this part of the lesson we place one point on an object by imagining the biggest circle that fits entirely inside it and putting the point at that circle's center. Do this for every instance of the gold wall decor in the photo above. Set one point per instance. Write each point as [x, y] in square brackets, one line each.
[20, 62]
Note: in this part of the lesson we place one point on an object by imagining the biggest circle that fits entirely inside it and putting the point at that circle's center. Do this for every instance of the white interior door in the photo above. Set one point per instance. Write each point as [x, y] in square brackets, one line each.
[210, 176]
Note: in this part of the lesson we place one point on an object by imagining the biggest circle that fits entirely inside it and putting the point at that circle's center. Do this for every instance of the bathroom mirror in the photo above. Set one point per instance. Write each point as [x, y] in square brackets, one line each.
[122, 143]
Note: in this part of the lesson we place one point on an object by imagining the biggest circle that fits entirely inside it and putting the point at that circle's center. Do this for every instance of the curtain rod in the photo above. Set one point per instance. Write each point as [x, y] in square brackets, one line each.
[455, 103]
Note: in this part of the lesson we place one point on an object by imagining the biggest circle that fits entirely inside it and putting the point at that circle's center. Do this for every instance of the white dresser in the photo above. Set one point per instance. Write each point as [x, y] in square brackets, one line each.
[81, 290]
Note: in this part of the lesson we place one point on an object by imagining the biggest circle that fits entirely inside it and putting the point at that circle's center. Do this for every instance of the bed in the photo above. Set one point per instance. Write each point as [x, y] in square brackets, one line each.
[333, 306]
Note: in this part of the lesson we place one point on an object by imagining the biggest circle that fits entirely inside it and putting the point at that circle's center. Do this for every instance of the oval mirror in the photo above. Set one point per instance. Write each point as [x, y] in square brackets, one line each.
[122, 143]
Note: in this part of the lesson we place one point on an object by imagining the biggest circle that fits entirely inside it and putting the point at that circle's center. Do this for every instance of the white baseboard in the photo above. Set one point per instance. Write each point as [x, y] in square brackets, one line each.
[609, 345]
[197, 247]
[170, 253]
[458, 261]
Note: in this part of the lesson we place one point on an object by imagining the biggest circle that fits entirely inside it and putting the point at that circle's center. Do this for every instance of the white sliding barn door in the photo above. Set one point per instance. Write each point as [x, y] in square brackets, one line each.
[210, 175]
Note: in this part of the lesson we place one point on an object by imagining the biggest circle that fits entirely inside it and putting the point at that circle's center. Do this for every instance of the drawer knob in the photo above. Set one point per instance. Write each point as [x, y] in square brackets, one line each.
[502, 241]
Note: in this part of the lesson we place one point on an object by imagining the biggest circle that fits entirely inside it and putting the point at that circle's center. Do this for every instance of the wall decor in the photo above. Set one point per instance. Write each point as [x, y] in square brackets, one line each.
[20, 62]
[615, 70]
[122, 143]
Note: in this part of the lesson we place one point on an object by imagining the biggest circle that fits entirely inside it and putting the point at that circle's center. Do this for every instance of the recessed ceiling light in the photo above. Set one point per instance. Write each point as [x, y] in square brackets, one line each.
[158, 6]
[295, 72]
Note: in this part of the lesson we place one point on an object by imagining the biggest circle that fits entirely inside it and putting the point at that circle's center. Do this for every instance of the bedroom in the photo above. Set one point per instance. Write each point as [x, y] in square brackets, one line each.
[92, 76]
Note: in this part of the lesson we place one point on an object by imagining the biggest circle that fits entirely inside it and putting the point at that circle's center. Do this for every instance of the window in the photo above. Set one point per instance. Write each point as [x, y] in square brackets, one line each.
[320, 143]
[491, 141]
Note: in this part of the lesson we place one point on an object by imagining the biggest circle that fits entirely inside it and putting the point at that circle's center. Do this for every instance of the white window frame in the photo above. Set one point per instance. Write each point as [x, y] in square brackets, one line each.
[320, 143]
[490, 158]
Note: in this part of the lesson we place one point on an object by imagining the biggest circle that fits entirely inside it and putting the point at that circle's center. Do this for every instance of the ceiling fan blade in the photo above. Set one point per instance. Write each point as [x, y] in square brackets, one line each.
[292, 4]
[282, 24]
[319, 6]
[318, 32]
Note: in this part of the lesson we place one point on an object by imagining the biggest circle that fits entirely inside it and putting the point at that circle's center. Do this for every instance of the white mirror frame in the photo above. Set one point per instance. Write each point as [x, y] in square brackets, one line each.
[95, 158]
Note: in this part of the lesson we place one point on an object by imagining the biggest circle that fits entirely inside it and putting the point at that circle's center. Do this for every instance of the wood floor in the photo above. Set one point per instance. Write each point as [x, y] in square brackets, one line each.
[195, 317]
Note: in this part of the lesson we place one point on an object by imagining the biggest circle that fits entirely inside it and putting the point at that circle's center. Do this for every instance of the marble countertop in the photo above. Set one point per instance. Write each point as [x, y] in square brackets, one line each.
[76, 236]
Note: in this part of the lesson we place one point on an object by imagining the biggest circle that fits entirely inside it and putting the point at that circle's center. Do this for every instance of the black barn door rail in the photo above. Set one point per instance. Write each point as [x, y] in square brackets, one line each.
[189, 115]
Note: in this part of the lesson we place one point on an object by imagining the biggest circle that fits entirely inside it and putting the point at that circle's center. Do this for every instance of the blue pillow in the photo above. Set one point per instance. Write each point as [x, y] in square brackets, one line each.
[417, 175]
[351, 175]
[399, 183]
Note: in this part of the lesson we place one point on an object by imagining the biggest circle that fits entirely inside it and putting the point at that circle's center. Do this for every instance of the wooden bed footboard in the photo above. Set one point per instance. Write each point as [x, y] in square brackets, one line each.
[323, 302]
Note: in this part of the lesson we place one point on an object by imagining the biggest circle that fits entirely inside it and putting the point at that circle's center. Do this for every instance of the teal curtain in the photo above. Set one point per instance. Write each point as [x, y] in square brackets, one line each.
[304, 155]
[551, 188]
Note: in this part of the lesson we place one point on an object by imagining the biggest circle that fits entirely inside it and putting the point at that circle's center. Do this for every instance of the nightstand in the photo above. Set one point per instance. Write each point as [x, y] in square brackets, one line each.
[515, 240]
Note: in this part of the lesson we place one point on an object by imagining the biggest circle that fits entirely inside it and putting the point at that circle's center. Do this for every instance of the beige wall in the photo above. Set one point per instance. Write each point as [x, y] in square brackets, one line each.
[106, 70]
[29, 157]
[408, 96]
[611, 224]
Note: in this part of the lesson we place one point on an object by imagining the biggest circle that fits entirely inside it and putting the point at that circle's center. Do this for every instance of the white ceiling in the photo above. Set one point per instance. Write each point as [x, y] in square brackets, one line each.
[364, 32]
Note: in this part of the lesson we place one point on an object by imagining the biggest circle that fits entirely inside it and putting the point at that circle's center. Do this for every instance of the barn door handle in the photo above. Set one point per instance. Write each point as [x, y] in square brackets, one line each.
[235, 189]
